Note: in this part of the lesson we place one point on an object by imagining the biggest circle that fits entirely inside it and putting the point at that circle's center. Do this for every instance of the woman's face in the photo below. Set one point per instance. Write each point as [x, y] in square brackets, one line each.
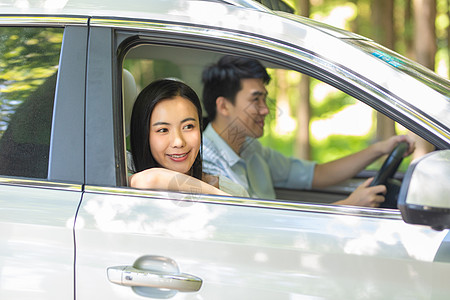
[175, 134]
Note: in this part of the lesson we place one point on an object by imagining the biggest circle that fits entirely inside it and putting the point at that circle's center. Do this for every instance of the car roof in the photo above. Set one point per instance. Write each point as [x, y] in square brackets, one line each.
[119, 8]
[189, 11]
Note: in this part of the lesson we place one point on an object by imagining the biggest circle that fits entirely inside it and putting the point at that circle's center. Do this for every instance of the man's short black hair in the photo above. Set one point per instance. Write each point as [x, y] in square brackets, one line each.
[223, 79]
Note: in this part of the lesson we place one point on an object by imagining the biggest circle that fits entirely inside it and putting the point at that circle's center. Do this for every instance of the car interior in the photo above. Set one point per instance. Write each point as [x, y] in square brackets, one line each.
[147, 62]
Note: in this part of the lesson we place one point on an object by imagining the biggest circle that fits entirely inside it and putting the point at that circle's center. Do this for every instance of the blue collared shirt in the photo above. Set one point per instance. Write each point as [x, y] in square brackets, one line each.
[259, 169]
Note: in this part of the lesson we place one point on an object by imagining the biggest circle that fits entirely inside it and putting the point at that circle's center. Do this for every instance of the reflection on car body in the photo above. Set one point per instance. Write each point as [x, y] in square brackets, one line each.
[67, 215]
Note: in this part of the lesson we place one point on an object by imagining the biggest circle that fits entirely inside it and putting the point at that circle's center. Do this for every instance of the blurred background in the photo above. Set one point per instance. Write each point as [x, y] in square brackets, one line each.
[319, 130]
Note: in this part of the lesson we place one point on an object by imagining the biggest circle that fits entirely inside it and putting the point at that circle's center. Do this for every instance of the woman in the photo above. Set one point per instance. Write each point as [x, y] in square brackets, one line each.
[166, 140]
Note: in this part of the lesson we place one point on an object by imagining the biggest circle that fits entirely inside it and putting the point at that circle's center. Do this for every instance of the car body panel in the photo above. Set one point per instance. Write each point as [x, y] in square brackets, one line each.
[37, 246]
[247, 252]
[37, 216]
[240, 247]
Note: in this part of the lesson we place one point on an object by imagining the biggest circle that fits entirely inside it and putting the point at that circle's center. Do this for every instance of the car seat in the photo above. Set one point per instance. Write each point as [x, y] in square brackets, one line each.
[129, 93]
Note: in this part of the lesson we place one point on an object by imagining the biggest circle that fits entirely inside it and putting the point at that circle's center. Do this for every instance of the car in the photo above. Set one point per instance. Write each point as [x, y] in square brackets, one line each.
[71, 227]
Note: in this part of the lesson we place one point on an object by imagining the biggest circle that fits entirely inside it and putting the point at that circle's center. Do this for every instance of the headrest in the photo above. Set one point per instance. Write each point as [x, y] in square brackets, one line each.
[129, 96]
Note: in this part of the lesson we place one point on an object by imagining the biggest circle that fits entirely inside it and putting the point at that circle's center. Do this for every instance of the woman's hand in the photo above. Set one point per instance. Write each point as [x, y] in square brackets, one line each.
[165, 179]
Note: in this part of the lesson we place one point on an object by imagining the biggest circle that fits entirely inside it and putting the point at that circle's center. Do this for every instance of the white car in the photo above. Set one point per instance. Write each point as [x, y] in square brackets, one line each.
[70, 228]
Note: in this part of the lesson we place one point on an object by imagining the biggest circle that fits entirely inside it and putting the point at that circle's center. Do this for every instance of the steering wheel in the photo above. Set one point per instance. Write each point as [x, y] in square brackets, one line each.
[387, 170]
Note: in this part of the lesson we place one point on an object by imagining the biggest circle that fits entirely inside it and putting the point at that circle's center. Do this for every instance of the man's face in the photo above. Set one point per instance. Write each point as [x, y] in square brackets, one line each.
[250, 108]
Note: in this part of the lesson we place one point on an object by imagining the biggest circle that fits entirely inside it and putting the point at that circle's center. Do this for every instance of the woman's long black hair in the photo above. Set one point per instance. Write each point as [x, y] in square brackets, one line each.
[143, 107]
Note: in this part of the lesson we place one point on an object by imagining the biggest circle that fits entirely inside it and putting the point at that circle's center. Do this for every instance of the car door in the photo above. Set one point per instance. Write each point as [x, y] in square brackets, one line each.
[41, 154]
[249, 249]
[158, 244]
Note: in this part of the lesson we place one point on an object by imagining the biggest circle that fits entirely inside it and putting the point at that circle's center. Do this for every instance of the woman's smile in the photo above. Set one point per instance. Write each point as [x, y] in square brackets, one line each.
[179, 157]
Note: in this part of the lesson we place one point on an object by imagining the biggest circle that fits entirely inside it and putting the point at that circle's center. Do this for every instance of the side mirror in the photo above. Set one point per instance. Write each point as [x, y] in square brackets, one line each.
[425, 192]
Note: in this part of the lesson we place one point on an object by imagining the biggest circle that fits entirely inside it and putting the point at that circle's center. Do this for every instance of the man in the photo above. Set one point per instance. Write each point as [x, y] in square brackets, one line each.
[234, 97]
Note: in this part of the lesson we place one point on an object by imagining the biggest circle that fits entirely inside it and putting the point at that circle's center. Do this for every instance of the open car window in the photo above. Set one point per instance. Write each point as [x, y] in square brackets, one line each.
[339, 124]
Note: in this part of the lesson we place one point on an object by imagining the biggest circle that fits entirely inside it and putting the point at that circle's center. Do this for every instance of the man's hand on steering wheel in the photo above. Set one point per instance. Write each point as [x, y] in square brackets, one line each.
[381, 191]
[386, 173]
[365, 195]
[388, 145]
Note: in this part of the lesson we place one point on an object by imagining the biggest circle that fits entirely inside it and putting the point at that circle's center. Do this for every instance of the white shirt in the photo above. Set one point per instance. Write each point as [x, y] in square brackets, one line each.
[259, 169]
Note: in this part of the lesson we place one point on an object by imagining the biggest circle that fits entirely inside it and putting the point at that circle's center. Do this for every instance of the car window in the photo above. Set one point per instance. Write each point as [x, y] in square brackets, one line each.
[29, 59]
[338, 124]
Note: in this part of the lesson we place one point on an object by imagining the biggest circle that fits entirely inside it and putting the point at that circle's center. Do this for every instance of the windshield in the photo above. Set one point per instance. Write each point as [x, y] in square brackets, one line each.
[438, 108]
[403, 64]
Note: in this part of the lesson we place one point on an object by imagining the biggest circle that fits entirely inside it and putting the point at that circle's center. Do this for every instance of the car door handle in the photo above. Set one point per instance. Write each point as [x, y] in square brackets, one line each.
[133, 277]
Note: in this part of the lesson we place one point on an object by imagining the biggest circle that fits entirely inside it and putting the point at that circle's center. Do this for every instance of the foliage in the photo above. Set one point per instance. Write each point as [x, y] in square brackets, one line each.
[330, 105]
[28, 57]
[284, 144]
[337, 146]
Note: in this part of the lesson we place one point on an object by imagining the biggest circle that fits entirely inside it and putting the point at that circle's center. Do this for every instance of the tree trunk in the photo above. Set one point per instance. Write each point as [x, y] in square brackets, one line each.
[384, 33]
[408, 32]
[425, 51]
[425, 33]
[448, 38]
[303, 115]
[283, 108]
[355, 24]
[303, 149]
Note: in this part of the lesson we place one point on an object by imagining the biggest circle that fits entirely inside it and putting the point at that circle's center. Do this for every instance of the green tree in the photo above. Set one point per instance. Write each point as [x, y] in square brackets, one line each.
[27, 57]
[425, 48]
[384, 33]
[303, 145]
